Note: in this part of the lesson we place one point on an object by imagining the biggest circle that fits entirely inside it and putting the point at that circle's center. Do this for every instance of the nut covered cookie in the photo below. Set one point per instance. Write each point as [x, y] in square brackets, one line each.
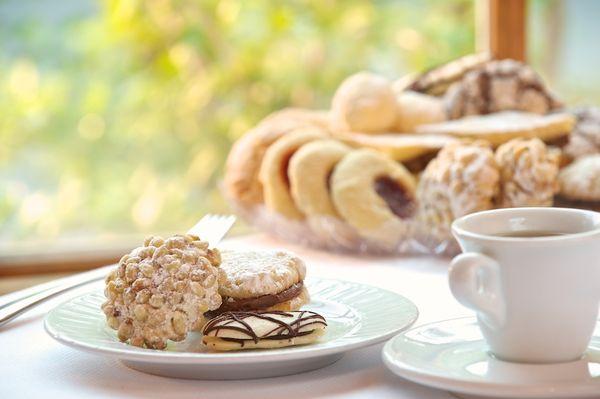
[436, 81]
[585, 138]
[262, 280]
[374, 194]
[274, 171]
[364, 102]
[462, 179]
[528, 173]
[160, 291]
[499, 86]
[580, 181]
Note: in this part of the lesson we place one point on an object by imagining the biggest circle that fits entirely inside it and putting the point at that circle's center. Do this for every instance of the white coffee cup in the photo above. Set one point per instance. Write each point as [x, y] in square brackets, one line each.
[536, 298]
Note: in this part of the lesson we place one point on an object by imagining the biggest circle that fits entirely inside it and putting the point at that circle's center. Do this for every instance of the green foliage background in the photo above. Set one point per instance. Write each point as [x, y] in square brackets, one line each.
[117, 116]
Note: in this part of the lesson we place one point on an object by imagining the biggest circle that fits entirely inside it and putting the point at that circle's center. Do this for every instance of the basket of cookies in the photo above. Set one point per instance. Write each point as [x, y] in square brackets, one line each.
[392, 163]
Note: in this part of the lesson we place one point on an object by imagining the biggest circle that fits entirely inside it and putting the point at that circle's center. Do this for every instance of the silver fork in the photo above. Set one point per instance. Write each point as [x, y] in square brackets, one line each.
[211, 228]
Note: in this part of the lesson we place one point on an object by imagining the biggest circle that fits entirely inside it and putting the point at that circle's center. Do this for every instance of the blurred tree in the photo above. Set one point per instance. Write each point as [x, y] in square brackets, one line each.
[117, 116]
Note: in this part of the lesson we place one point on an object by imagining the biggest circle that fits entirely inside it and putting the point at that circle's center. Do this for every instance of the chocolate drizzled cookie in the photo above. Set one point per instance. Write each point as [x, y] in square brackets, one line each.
[499, 86]
[271, 329]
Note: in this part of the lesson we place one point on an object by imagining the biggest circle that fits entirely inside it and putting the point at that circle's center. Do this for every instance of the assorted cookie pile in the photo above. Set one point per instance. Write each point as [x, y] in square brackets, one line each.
[168, 288]
[392, 164]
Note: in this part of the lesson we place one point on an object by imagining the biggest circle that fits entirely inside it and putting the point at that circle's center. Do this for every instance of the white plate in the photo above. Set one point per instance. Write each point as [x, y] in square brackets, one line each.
[452, 355]
[357, 315]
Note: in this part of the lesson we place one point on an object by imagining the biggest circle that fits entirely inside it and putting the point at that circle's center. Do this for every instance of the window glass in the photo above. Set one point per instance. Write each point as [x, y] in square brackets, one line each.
[563, 48]
[116, 116]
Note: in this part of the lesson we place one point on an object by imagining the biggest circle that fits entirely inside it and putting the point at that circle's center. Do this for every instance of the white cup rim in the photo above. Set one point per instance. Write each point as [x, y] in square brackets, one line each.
[458, 230]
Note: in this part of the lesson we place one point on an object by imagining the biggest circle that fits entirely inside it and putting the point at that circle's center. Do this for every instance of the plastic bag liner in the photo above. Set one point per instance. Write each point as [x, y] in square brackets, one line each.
[405, 237]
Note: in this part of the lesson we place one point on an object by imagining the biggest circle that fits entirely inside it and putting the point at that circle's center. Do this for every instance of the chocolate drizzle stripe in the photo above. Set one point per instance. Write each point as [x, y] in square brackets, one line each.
[282, 330]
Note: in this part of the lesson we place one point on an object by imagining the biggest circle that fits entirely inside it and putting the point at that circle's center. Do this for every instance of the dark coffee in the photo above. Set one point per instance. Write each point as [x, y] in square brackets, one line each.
[531, 233]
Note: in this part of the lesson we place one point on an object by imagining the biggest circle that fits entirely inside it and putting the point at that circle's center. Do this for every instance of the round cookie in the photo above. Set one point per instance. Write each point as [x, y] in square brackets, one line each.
[364, 102]
[160, 291]
[585, 137]
[302, 116]
[274, 171]
[241, 182]
[374, 194]
[262, 280]
[499, 86]
[528, 173]
[416, 109]
[463, 178]
[580, 181]
[310, 171]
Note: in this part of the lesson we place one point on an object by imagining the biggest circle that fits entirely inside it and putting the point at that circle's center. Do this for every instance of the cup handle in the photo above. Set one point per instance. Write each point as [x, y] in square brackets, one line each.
[475, 282]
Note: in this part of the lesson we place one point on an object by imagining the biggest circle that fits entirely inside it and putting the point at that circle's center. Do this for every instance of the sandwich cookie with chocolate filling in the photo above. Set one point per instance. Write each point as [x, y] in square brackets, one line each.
[374, 194]
[263, 330]
[261, 280]
[274, 171]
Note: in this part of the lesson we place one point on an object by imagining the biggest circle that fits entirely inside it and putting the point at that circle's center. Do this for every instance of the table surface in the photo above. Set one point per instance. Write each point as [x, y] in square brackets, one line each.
[33, 364]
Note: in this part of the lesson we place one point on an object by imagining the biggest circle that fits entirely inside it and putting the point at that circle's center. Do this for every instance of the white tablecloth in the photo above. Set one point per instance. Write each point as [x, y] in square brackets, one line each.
[34, 365]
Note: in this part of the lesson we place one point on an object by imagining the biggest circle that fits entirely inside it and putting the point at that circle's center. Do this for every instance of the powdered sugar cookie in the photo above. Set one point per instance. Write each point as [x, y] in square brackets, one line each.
[364, 102]
[262, 280]
[580, 181]
[528, 173]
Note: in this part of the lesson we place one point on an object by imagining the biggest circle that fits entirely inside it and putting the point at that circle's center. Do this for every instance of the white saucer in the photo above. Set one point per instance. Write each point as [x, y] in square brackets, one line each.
[357, 315]
[451, 355]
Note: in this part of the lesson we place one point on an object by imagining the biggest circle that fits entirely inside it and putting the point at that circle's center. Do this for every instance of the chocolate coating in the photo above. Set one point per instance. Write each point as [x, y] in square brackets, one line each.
[230, 304]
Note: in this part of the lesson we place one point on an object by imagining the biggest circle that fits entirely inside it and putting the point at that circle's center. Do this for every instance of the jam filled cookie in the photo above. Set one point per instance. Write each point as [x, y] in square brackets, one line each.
[241, 181]
[528, 173]
[364, 102]
[263, 330]
[160, 291]
[374, 194]
[585, 138]
[265, 280]
[501, 127]
[274, 171]
[499, 86]
[310, 171]
[580, 181]
[462, 179]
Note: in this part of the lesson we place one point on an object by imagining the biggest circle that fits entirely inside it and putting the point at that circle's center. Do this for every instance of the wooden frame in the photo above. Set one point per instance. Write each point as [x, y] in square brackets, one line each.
[506, 28]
